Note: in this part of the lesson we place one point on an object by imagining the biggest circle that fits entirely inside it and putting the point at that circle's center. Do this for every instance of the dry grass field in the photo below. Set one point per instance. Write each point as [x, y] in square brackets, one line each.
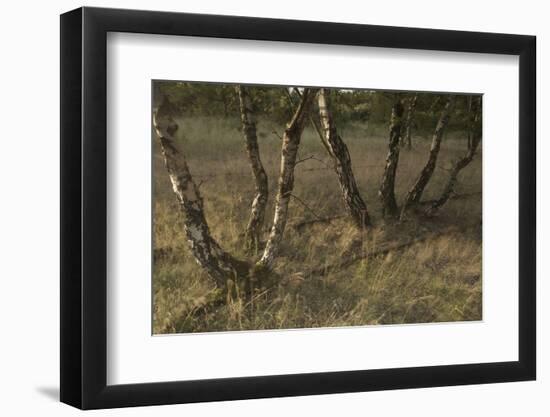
[425, 270]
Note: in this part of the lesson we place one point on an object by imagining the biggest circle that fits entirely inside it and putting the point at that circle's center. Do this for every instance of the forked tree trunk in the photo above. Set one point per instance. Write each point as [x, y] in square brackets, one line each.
[409, 122]
[315, 121]
[342, 163]
[474, 138]
[415, 193]
[219, 265]
[386, 192]
[291, 142]
[257, 213]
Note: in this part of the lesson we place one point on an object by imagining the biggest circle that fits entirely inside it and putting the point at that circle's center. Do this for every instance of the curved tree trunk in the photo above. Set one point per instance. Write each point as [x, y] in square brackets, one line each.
[474, 138]
[415, 193]
[409, 122]
[256, 221]
[219, 265]
[386, 192]
[291, 142]
[342, 163]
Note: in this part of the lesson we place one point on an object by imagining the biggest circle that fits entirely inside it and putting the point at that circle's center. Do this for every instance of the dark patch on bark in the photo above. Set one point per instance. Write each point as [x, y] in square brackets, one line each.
[219, 265]
[257, 213]
[415, 193]
[387, 192]
[342, 163]
[291, 142]
[407, 140]
[474, 138]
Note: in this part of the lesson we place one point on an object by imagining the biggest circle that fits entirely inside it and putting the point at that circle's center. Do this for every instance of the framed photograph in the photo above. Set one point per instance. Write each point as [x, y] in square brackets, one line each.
[257, 208]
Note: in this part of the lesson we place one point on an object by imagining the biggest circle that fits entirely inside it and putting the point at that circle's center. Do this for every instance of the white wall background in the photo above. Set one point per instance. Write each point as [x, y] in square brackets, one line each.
[29, 225]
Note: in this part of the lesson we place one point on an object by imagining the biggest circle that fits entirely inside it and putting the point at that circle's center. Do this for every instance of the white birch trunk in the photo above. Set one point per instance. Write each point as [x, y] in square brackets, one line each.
[257, 213]
[291, 142]
[387, 188]
[415, 193]
[342, 163]
[219, 265]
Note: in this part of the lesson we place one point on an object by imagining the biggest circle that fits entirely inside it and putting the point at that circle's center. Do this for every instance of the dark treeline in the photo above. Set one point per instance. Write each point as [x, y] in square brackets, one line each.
[349, 106]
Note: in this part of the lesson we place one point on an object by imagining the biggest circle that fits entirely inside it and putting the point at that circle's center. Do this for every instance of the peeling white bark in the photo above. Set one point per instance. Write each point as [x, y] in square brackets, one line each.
[342, 163]
[219, 265]
[291, 142]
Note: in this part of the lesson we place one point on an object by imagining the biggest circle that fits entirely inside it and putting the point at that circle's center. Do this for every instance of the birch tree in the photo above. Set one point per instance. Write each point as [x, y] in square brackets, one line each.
[409, 122]
[415, 193]
[338, 150]
[290, 144]
[474, 138]
[387, 192]
[228, 272]
[219, 265]
[257, 213]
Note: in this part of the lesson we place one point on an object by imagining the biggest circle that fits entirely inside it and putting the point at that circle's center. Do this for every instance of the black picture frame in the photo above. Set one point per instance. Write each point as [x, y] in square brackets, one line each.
[84, 207]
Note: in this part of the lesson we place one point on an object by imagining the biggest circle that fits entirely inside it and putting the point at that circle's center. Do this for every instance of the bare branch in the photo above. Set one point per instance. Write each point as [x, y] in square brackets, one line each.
[302, 224]
[359, 256]
[302, 202]
[289, 150]
[415, 193]
[276, 134]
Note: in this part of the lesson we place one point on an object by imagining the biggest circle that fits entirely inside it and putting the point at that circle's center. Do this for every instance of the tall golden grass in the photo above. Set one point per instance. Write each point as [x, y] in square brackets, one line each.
[436, 279]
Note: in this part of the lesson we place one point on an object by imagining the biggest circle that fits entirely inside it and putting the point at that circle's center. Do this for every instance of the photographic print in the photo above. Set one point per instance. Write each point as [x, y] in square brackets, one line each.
[290, 207]
[262, 203]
